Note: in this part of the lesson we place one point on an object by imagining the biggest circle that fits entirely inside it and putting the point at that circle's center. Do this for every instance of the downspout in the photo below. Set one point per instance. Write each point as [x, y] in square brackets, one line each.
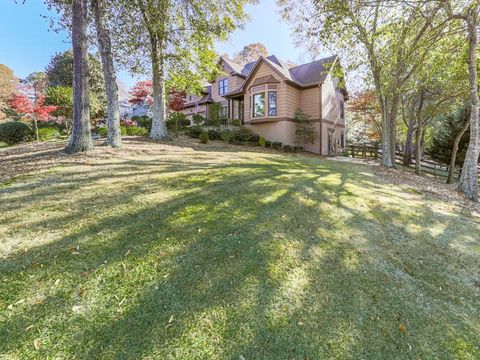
[321, 118]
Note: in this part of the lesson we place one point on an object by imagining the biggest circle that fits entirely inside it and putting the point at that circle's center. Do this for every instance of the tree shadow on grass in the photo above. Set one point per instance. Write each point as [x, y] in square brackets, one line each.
[270, 261]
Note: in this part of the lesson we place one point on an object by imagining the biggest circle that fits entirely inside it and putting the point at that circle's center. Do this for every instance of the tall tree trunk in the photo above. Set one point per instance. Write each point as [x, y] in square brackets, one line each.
[159, 128]
[408, 152]
[419, 134]
[453, 158]
[389, 132]
[469, 176]
[81, 137]
[114, 136]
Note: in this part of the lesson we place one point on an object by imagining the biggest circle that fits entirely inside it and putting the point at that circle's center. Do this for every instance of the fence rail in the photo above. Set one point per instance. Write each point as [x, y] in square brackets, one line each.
[373, 152]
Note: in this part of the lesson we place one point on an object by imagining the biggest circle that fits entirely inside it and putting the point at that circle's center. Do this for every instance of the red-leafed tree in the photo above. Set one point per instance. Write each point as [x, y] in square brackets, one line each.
[141, 93]
[176, 101]
[39, 111]
[366, 115]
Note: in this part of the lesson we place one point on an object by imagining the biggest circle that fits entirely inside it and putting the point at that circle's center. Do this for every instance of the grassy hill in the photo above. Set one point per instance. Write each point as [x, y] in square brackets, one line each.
[170, 252]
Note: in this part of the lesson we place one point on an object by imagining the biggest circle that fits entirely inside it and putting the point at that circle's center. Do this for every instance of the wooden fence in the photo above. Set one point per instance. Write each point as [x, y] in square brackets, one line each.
[428, 166]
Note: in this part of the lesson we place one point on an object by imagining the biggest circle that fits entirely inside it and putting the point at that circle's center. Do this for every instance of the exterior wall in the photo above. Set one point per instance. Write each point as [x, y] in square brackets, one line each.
[331, 116]
[289, 100]
[310, 102]
[282, 131]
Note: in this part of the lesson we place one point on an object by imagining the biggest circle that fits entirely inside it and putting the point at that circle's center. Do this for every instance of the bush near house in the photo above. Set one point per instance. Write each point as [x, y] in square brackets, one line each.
[198, 119]
[277, 145]
[15, 132]
[204, 138]
[177, 121]
[194, 131]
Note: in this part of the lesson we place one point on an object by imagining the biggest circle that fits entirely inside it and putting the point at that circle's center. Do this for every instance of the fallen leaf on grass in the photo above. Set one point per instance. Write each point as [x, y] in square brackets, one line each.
[37, 344]
[403, 328]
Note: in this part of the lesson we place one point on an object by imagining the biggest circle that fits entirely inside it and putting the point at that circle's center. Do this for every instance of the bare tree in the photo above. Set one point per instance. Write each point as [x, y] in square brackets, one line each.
[250, 52]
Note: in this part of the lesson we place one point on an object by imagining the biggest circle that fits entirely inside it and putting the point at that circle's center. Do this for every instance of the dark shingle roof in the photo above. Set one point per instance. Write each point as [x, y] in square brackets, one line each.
[313, 72]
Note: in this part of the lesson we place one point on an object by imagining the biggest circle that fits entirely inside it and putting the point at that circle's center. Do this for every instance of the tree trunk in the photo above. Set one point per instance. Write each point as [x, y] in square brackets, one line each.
[159, 128]
[35, 124]
[408, 152]
[114, 136]
[81, 138]
[453, 158]
[389, 133]
[419, 134]
[469, 176]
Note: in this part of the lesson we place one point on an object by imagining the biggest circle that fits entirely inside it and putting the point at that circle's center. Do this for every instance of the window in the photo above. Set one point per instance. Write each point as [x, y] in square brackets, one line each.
[272, 103]
[342, 139]
[259, 105]
[223, 87]
[342, 109]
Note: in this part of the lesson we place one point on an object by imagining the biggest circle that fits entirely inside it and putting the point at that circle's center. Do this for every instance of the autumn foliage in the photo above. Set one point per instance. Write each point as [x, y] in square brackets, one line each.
[23, 105]
[365, 112]
[141, 93]
[176, 101]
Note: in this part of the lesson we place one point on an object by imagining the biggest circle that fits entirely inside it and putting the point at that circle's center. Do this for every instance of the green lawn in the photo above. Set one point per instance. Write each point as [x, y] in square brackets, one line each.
[174, 253]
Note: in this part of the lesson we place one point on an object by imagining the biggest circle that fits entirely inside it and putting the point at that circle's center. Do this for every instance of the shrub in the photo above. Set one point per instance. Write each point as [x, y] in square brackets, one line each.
[143, 121]
[236, 122]
[227, 135]
[123, 130]
[297, 148]
[194, 131]
[261, 141]
[177, 121]
[137, 131]
[204, 137]
[288, 148]
[198, 119]
[268, 143]
[243, 134]
[277, 145]
[48, 133]
[214, 134]
[103, 131]
[15, 132]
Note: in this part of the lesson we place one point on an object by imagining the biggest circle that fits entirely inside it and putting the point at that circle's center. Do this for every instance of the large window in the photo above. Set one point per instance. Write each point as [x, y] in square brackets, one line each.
[272, 103]
[259, 105]
[223, 87]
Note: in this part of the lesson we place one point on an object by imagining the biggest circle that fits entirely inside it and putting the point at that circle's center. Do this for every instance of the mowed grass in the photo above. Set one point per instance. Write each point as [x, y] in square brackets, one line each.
[183, 254]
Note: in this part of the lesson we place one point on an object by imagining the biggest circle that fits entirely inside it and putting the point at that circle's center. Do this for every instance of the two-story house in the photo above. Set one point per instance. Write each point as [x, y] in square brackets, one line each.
[264, 95]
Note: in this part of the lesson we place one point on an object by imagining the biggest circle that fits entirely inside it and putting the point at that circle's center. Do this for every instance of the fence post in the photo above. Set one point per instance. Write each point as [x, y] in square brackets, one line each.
[376, 152]
[434, 170]
[364, 152]
[353, 151]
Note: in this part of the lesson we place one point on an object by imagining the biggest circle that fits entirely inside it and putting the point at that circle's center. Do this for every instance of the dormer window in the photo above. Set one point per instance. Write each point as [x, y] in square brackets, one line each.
[222, 86]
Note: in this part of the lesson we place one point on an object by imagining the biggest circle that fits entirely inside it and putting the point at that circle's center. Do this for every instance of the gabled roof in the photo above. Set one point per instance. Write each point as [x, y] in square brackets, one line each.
[304, 75]
[207, 98]
[314, 72]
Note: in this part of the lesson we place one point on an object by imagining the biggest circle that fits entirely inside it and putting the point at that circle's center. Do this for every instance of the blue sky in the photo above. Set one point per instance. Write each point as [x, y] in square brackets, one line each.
[27, 43]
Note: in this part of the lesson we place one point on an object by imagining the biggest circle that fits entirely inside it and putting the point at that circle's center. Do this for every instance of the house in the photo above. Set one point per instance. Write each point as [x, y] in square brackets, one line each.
[265, 95]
